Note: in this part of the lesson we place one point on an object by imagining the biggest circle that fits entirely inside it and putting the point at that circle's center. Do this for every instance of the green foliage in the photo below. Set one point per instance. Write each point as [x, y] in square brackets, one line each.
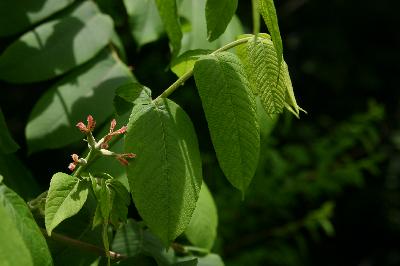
[218, 15]
[202, 229]
[22, 242]
[169, 15]
[77, 94]
[144, 21]
[26, 14]
[7, 144]
[267, 10]
[74, 50]
[48, 42]
[165, 179]
[65, 198]
[230, 110]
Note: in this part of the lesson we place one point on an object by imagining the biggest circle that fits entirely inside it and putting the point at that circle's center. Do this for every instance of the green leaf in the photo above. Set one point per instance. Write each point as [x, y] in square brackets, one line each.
[259, 58]
[144, 21]
[52, 121]
[185, 62]
[19, 15]
[63, 44]
[169, 15]
[192, 262]
[165, 178]
[268, 12]
[65, 198]
[230, 110]
[129, 94]
[196, 35]
[22, 228]
[210, 259]
[7, 144]
[202, 228]
[121, 200]
[17, 176]
[132, 240]
[218, 15]
[13, 251]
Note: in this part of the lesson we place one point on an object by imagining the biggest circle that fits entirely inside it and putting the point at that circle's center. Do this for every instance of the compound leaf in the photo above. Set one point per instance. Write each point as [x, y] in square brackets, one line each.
[165, 178]
[65, 198]
[230, 110]
[218, 15]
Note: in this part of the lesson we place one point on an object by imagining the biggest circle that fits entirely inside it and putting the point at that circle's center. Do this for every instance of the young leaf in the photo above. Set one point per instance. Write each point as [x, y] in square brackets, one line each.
[165, 178]
[202, 228]
[218, 15]
[132, 240]
[230, 110]
[63, 44]
[144, 21]
[22, 228]
[19, 16]
[268, 12]
[53, 118]
[259, 57]
[121, 200]
[7, 144]
[65, 198]
[169, 15]
[185, 62]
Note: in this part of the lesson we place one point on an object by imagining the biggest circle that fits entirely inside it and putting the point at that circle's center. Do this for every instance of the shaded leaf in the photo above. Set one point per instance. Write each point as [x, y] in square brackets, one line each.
[23, 227]
[19, 15]
[17, 176]
[218, 15]
[185, 62]
[165, 178]
[129, 94]
[121, 200]
[230, 110]
[202, 228]
[52, 121]
[192, 262]
[144, 21]
[196, 35]
[63, 44]
[169, 15]
[268, 12]
[132, 240]
[7, 144]
[65, 198]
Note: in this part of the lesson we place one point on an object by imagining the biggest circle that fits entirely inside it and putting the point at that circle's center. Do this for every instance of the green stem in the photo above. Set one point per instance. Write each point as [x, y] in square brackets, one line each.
[83, 245]
[92, 153]
[256, 17]
[179, 82]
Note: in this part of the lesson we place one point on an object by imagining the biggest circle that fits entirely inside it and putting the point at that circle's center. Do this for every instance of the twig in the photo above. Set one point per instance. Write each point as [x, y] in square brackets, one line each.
[83, 245]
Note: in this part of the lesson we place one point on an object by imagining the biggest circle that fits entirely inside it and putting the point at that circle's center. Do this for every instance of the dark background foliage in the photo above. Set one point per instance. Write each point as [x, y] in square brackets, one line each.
[327, 191]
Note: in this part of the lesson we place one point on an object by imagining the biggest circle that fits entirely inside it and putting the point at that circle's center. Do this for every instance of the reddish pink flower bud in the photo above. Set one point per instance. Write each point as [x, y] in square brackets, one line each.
[75, 158]
[112, 126]
[91, 123]
[122, 130]
[81, 126]
[122, 160]
[71, 166]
